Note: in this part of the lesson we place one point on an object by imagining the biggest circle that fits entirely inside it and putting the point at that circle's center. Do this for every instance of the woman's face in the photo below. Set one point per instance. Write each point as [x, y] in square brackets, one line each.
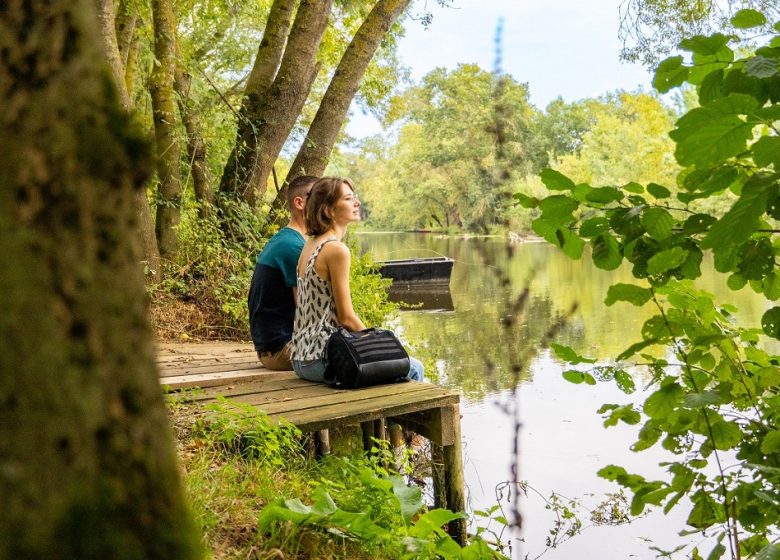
[347, 208]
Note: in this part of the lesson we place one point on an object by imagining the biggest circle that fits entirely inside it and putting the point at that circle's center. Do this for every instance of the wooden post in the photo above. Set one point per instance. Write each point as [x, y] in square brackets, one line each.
[454, 486]
[322, 439]
[437, 474]
[368, 432]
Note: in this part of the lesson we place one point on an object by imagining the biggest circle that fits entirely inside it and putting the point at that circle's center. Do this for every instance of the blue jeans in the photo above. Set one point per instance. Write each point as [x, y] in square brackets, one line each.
[314, 370]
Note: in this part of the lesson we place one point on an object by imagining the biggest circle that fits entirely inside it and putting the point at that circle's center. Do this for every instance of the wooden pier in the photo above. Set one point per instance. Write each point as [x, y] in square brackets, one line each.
[233, 371]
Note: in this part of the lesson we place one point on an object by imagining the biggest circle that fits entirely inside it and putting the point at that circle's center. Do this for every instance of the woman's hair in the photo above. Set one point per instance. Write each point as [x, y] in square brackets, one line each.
[323, 195]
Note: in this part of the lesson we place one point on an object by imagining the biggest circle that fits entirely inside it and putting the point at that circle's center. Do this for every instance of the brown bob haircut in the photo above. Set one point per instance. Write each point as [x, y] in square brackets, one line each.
[323, 195]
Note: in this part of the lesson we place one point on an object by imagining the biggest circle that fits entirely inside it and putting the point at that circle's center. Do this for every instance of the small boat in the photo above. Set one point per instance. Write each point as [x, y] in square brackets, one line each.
[427, 269]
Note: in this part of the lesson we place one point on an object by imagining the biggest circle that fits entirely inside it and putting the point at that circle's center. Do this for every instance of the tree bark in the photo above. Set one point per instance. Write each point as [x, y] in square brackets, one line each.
[312, 158]
[164, 111]
[108, 40]
[266, 121]
[87, 464]
[125, 25]
[196, 146]
[269, 55]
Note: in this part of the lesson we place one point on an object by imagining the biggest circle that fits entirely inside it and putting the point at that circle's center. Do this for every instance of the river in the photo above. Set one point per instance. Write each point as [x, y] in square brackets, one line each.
[562, 440]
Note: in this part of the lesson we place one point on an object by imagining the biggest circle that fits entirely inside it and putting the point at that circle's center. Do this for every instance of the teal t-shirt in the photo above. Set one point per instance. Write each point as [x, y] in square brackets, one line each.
[271, 301]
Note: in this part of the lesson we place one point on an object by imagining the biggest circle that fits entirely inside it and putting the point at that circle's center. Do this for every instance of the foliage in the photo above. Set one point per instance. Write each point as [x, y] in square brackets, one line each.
[715, 388]
[369, 289]
[203, 293]
[359, 508]
[241, 429]
[650, 29]
[385, 517]
[445, 170]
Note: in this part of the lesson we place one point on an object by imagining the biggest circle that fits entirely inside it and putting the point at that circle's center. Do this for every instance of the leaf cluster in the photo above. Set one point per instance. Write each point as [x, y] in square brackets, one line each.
[714, 393]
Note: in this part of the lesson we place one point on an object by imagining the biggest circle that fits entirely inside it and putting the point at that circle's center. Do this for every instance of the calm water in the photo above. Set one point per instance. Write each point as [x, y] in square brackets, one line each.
[563, 442]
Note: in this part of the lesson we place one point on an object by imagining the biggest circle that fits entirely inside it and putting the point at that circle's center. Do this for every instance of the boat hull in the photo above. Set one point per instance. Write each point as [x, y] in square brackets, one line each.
[428, 270]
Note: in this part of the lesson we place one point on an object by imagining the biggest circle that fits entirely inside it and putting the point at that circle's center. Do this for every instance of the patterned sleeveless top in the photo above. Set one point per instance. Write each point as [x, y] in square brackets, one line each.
[315, 315]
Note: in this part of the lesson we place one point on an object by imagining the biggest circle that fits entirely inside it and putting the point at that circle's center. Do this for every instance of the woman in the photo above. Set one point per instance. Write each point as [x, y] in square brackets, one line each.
[324, 301]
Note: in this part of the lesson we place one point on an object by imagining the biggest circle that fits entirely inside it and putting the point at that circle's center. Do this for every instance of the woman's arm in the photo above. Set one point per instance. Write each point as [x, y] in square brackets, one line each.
[337, 260]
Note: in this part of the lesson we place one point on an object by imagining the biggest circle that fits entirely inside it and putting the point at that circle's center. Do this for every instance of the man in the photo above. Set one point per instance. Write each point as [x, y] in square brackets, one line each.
[273, 291]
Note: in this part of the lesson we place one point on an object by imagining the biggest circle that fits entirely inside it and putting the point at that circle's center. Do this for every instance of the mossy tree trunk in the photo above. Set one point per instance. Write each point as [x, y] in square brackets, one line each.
[268, 115]
[312, 158]
[106, 17]
[87, 464]
[196, 145]
[161, 88]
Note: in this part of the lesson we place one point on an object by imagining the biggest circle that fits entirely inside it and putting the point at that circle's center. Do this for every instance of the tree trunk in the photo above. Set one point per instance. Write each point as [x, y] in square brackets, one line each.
[196, 146]
[164, 110]
[88, 468]
[269, 54]
[313, 155]
[125, 25]
[108, 40]
[266, 120]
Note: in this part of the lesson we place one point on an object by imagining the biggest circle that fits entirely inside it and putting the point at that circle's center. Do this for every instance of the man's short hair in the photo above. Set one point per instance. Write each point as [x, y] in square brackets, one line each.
[299, 187]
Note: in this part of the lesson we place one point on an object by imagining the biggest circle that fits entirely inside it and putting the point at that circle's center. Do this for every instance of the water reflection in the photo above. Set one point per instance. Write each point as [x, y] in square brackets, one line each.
[489, 275]
[563, 443]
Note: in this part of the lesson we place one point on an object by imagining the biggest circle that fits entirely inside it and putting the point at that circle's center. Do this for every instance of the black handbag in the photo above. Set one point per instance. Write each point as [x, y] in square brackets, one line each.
[365, 358]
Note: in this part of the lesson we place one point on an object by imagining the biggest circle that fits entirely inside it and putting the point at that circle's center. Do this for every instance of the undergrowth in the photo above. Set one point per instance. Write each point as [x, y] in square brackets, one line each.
[202, 294]
[257, 494]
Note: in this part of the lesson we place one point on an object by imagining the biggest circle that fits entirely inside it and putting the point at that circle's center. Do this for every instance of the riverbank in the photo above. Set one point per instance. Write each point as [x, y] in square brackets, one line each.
[256, 492]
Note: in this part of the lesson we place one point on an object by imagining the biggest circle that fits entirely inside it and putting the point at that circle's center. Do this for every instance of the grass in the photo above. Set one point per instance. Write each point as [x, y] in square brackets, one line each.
[227, 489]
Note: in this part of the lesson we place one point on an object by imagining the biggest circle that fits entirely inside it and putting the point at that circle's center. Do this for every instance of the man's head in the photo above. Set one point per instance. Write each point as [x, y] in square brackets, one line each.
[298, 189]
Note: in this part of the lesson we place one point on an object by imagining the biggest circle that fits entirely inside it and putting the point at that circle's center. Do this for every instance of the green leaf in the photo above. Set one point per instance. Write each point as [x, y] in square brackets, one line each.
[757, 259]
[696, 400]
[438, 517]
[670, 73]
[767, 151]
[625, 382]
[703, 45]
[742, 220]
[556, 181]
[713, 133]
[769, 552]
[606, 252]
[604, 195]
[668, 259]
[658, 222]
[664, 401]
[612, 472]
[747, 18]
[569, 355]
[725, 435]
[771, 442]
[658, 191]
[571, 244]
[698, 223]
[409, 497]
[594, 226]
[636, 347]
[705, 512]
[574, 376]
[761, 67]
[632, 187]
[526, 201]
[557, 209]
[770, 322]
[628, 292]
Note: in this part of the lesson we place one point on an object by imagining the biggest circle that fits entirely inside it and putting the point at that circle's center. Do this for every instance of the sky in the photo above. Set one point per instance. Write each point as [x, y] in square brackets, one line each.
[566, 48]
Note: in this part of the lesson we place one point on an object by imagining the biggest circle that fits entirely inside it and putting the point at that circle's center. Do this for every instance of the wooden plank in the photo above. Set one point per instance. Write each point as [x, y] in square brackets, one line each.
[219, 379]
[375, 395]
[194, 368]
[312, 419]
